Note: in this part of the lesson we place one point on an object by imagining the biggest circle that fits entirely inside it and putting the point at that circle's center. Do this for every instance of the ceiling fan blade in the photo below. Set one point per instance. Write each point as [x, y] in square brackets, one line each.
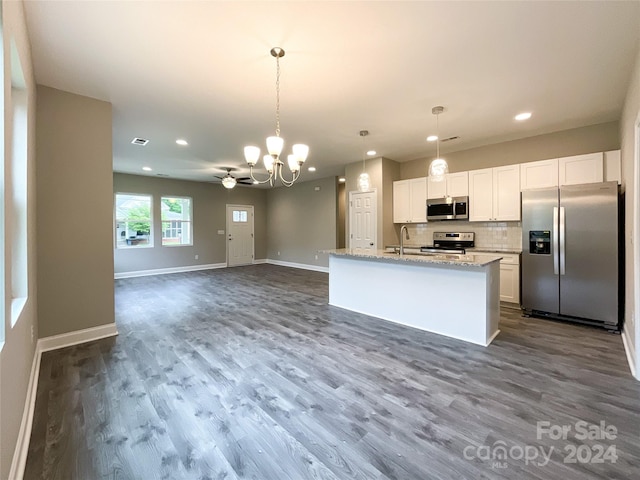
[244, 182]
[241, 179]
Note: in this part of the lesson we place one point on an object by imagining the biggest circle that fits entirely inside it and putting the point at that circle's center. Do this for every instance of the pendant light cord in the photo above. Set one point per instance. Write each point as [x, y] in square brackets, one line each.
[277, 96]
[438, 135]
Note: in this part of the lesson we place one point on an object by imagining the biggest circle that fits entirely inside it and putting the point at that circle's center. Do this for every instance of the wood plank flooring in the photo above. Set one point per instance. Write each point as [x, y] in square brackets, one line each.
[247, 373]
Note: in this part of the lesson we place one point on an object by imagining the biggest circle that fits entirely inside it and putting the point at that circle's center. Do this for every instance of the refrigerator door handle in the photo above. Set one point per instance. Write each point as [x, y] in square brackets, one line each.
[554, 233]
[562, 229]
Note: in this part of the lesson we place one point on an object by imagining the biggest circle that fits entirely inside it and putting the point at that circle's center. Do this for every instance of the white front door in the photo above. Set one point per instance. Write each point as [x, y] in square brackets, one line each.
[239, 235]
[362, 220]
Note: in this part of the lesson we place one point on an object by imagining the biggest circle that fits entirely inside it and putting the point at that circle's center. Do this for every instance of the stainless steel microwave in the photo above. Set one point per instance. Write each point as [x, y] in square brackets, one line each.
[448, 208]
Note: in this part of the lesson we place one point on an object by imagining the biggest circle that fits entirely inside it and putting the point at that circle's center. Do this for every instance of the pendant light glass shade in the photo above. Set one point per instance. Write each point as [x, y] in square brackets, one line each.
[364, 182]
[275, 145]
[268, 163]
[251, 155]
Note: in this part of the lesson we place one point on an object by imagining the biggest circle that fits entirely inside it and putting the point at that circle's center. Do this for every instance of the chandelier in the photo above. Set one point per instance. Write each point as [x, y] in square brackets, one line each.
[438, 167]
[272, 161]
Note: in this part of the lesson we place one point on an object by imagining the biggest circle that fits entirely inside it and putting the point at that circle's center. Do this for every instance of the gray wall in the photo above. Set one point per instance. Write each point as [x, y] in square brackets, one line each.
[594, 138]
[209, 216]
[17, 354]
[302, 221]
[629, 146]
[74, 211]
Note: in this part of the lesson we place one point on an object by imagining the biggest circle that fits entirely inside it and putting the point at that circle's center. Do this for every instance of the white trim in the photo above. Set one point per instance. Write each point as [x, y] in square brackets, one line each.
[77, 336]
[260, 261]
[164, 271]
[636, 246]
[24, 434]
[54, 342]
[303, 266]
[631, 354]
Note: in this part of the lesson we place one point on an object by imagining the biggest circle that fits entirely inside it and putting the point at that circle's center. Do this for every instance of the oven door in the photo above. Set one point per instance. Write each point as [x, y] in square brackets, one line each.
[440, 209]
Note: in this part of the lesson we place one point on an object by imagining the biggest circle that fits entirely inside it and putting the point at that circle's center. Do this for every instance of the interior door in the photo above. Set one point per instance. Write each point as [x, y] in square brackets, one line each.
[362, 220]
[239, 235]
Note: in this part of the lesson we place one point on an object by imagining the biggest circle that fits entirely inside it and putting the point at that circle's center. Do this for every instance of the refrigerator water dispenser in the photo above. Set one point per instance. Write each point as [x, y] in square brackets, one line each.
[540, 242]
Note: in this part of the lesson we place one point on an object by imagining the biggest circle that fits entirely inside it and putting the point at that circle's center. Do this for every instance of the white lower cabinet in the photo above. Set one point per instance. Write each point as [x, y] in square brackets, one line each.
[509, 275]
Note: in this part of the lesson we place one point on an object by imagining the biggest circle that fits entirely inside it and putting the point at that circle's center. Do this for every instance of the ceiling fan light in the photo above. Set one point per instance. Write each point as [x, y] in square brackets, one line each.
[251, 155]
[274, 145]
[268, 163]
[301, 151]
[294, 165]
[228, 182]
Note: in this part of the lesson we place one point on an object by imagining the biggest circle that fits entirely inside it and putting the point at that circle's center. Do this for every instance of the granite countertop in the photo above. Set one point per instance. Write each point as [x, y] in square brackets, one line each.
[467, 260]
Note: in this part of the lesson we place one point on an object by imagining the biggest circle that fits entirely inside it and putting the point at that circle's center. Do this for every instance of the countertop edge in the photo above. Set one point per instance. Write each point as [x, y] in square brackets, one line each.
[379, 255]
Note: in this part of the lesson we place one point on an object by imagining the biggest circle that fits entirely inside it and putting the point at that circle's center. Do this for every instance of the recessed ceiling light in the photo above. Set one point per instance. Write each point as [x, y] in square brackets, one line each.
[182, 141]
[342, 179]
[147, 169]
[312, 169]
[432, 138]
[523, 116]
[371, 153]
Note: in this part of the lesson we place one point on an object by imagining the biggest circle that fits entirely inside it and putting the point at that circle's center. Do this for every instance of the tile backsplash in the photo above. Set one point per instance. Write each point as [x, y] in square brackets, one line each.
[488, 234]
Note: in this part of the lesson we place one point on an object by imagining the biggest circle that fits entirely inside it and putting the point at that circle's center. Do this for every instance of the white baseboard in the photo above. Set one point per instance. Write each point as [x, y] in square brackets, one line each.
[164, 271]
[630, 351]
[260, 261]
[24, 434]
[78, 336]
[45, 344]
[304, 266]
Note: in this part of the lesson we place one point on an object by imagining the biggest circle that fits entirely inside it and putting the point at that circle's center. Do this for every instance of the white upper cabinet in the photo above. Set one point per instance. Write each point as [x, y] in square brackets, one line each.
[410, 201]
[494, 194]
[581, 169]
[612, 166]
[540, 174]
[454, 185]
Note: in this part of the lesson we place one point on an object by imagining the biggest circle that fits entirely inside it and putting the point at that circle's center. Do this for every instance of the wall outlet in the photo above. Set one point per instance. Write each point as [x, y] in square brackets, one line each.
[197, 257]
[220, 232]
[316, 257]
[278, 253]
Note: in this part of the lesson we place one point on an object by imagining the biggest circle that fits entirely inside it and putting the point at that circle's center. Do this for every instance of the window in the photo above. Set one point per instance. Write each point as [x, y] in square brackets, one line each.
[240, 216]
[176, 221]
[133, 220]
[19, 260]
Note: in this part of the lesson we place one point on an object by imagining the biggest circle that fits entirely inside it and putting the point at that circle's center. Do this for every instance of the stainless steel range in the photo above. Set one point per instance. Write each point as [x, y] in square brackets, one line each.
[450, 242]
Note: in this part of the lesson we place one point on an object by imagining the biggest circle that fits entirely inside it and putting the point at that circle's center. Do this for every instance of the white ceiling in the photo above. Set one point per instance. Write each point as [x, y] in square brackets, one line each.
[202, 71]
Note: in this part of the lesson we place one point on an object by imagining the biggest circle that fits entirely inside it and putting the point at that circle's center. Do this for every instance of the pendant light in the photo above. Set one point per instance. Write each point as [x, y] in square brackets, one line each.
[438, 167]
[364, 181]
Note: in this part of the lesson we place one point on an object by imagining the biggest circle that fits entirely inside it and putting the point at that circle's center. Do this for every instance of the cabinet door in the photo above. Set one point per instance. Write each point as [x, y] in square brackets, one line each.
[481, 195]
[458, 184]
[506, 193]
[436, 189]
[542, 174]
[401, 204]
[581, 169]
[418, 199]
[509, 283]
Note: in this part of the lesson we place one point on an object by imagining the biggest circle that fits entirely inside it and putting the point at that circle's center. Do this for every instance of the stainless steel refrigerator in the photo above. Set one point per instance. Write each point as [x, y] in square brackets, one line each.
[570, 247]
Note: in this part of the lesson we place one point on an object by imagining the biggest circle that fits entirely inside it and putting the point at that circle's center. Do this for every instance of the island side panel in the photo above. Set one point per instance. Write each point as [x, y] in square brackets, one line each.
[493, 301]
[444, 299]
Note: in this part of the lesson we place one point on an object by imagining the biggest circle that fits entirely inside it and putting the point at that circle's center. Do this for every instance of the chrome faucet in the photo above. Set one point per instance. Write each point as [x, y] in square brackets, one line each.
[406, 232]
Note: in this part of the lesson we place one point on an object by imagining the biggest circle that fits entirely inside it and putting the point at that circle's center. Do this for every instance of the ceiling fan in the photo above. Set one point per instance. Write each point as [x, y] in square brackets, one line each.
[229, 181]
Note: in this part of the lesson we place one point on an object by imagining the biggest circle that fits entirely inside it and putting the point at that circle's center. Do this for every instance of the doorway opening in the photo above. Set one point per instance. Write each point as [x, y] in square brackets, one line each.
[240, 241]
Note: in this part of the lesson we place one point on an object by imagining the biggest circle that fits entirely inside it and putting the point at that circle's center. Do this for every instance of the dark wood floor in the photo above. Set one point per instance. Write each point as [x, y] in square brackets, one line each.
[247, 373]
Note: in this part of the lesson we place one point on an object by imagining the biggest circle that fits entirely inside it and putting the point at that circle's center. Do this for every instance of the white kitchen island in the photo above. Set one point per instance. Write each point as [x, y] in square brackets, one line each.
[453, 295]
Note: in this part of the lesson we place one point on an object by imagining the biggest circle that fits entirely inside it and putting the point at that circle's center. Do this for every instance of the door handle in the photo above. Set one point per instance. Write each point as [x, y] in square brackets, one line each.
[554, 234]
[371, 244]
[563, 258]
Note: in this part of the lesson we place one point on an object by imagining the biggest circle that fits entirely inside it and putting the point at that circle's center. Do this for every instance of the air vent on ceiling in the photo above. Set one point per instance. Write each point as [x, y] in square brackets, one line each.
[161, 175]
[139, 141]
[449, 139]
